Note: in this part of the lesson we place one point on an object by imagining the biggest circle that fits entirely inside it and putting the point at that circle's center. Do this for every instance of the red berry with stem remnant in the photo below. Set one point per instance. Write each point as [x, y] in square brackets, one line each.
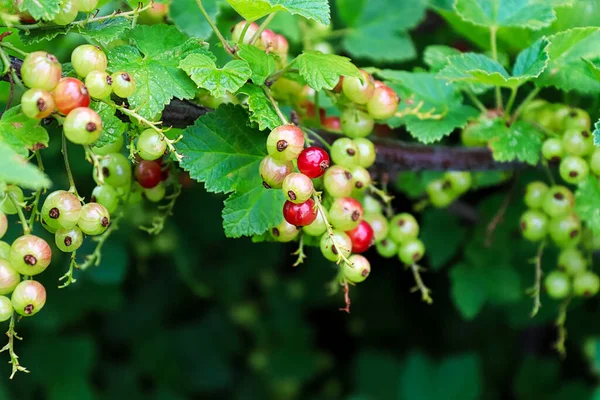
[300, 214]
[362, 237]
[285, 143]
[69, 94]
[313, 162]
[30, 255]
[383, 104]
[148, 174]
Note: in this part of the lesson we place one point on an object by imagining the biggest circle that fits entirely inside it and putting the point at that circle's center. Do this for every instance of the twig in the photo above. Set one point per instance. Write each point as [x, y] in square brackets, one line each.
[382, 194]
[425, 291]
[299, 252]
[561, 320]
[158, 221]
[68, 276]
[262, 27]
[10, 347]
[19, 207]
[535, 290]
[214, 28]
[274, 103]
[346, 297]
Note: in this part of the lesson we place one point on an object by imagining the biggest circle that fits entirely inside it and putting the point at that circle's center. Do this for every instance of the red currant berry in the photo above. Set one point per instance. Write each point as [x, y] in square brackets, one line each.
[285, 142]
[94, 220]
[358, 268]
[281, 46]
[297, 187]
[87, 58]
[268, 41]
[586, 284]
[300, 214]
[331, 248]
[366, 151]
[558, 285]
[534, 194]
[9, 278]
[41, 70]
[148, 174]
[359, 90]
[237, 29]
[28, 298]
[403, 227]
[313, 162]
[344, 152]
[345, 213]
[338, 181]
[37, 103]
[6, 309]
[411, 251]
[107, 196]
[332, 124]
[361, 179]
[574, 169]
[61, 210]
[553, 149]
[30, 255]
[82, 126]
[156, 194]
[379, 224]
[356, 123]
[362, 237]
[69, 94]
[383, 104]
[123, 84]
[68, 240]
[116, 170]
[558, 201]
[273, 172]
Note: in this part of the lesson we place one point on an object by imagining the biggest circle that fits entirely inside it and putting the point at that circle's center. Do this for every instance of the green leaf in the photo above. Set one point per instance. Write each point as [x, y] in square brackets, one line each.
[15, 170]
[587, 201]
[502, 283]
[350, 10]
[112, 127]
[566, 69]
[384, 46]
[41, 9]
[253, 10]
[437, 56]
[519, 142]
[21, 132]
[433, 130]
[261, 109]
[323, 71]
[38, 35]
[106, 31]
[186, 16]
[205, 73]
[222, 151]
[532, 14]
[594, 67]
[596, 133]
[155, 67]
[443, 235]
[468, 290]
[261, 63]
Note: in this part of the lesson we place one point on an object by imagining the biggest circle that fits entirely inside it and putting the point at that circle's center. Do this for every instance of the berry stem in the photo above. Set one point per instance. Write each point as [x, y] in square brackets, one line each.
[96, 256]
[493, 224]
[274, 103]
[244, 31]
[318, 137]
[319, 205]
[14, 359]
[475, 100]
[548, 171]
[416, 111]
[158, 221]
[14, 49]
[425, 291]
[72, 187]
[346, 297]
[535, 290]
[278, 74]
[68, 276]
[214, 28]
[38, 193]
[532, 95]
[299, 252]
[382, 194]
[19, 208]
[560, 322]
[262, 27]
[511, 101]
[494, 47]
[95, 160]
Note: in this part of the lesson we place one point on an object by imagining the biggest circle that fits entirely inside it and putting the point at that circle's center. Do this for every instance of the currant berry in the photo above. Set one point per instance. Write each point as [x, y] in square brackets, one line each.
[577, 142]
[4, 250]
[30, 255]
[553, 149]
[331, 248]
[565, 230]
[383, 104]
[273, 172]
[70, 93]
[439, 193]
[28, 298]
[358, 268]
[359, 90]
[313, 162]
[6, 204]
[107, 196]
[98, 84]
[403, 227]
[371, 205]
[116, 170]
[534, 194]
[114, 147]
[578, 119]
[356, 123]
[282, 47]
[561, 113]
[6, 309]
[332, 124]
[532, 109]
[148, 174]
[156, 194]
[361, 179]
[68, 240]
[86, 5]
[61, 210]
[459, 182]
[284, 232]
[268, 41]
[87, 58]
[558, 285]
[338, 181]
[362, 237]
[94, 220]
[237, 29]
[317, 227]
[300, 214]
[344, 152]
[595, 162]
[297, 187]
[379, 224]
[3, 224]
[9, 278]
[66, 14]
[558, 201]
[387, 248]
[37, 103]
[345, 213]
[41, 70]
[574, 169]
[469, 136]
[586, 284]
[285, 143]
[411, 251]
[366, 151]
[82, 126]
[123, 84]
[534, 225]
[151, 145]
[572, 261]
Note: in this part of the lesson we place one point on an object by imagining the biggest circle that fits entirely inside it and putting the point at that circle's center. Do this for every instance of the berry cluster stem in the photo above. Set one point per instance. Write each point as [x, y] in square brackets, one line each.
[10, 347]
[274, 104]
[299, 252]
[68, 276]
[214, 28]
[425, 291]
[95, 160]
[319, 205]
[346, 298]
[536, 289]
[158, 222]
[262, 27]
[561, 320]
[96, 256]
[65, 153]
[494, 48]
[38, 193]
[19, 207]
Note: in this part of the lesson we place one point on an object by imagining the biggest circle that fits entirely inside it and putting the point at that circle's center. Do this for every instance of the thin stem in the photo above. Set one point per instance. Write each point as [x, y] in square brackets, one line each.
[522, 106]
[38, 193]
[95, 258]
[511, 101]
[10, 46]
[72, 187]
[278, 74]
[95, 160]
[561, 320]
[382, 194]
[334, 243]
[318, 137]
[548, 171]
[425, 291]
[346, 297]
[274, 103]
[19, 207]
[493, 224]
[262, 27]
[68, 277]
[494, 44]
[10, 347]
[244, 31]
[214, 27]
[158, 222]
[5, 62]
[299, 252]
[475, 100]
[537, 286]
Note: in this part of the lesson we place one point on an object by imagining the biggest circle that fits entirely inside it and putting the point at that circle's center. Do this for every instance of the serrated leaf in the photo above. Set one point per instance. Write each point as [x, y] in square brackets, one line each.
[261, 63]
[253, 10]
[587, 201]
[22, 133]
[186, 16]
[106, 31]
[261, 109]
[519, 142]
[112, 127]
[205, 73]
[323, 71]
[532, 14]
[566, 70]
[38, 35]
[432, 130]
[41, 9]
[468, 290]
[594, 67]
[15, 170]
[437, 56]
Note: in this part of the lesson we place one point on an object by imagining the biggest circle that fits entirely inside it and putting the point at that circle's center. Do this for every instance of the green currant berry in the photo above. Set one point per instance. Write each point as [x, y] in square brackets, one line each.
[297, 187]
[41, 70]
[534, 194]
[9, 278]
[379, 224]
[6, 204]
[4, 250]
[67, 13]
[547, 119]
[595, 162]
[134, 195]
[37, 103]
[123, 84]
[285, 143]
[361, 180]
[469, 136]
[356, 123]
[82, 126]
[384, 103]
[114, 147]
[578, 119]
[6, 309]
[403, 227]
[558, 285]
[284, 232]
[411, 251]
[359, 90]
[345, 213]
[387, 248]
[3, 224]
[273, 172]
[94, 220]
[237, 29]
[561, 113]
[86, 5]
[107, 196]
[366, 152]
[116, 170]
[459, 182]
[61, 210]
[28, 298]
[531, 110]
[558, 201]
[331, 248]
[586, 284]
[371, 205]
[565, 230]
[156, 194]
[318, 227]
[30, 255]
[337, 181]
[344, 152]
[87, 58]
[553, 149]
[534, 225]
[151, 145]
[439, 193]
[574, 169]
[99, 84]
[577, 142]
[571, 261]
[358, 268]
[68, 240]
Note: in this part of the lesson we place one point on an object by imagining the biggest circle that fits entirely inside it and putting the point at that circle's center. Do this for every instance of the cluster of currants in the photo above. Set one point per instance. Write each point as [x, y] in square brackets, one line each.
[268, 40]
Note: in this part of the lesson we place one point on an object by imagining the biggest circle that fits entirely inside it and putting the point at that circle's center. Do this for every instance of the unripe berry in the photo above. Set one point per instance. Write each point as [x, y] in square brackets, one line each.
[595, 162]
[578, 119]
[3, 224]
[586, 284]
[345, 213]
[317, 227]
[379, 224]
[403, 227]
[439, 194]
[156, 194]
[358, 268]
[361, 180]
[577, 142]
[6, 204]
[338, 181]
[268, 41]
[110, 148]
[534, 194]
[94, 220]
[366, 151]
[37, 103]
[572, 261]
[387, 248]
[61, 210]
[565, 230]
[116, 170]
[459, 182]
[383, 104]
[534, 225]
[6, 309]
[356, 123]
[331, 248]
[358, 90]
[82, 126]
[4, 250]
[553, 149]
[30, 255]
[87, 5]
[371, 205]
[558, 285]
[297, 187]
[87, 58]
[313, 162]
[99, 84]
[411, 251]
[344, 152]
[123, 84]
[300, 214]
[41, 70]
[284, 232]
[9, 278]
[28, 298]
[285, 143]
[362, 237]
[107, 196]
[151, 145]
[574, 169]
[67, 13]
[281, 47]
[68, 240]
[558, 201]
[237, 29]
